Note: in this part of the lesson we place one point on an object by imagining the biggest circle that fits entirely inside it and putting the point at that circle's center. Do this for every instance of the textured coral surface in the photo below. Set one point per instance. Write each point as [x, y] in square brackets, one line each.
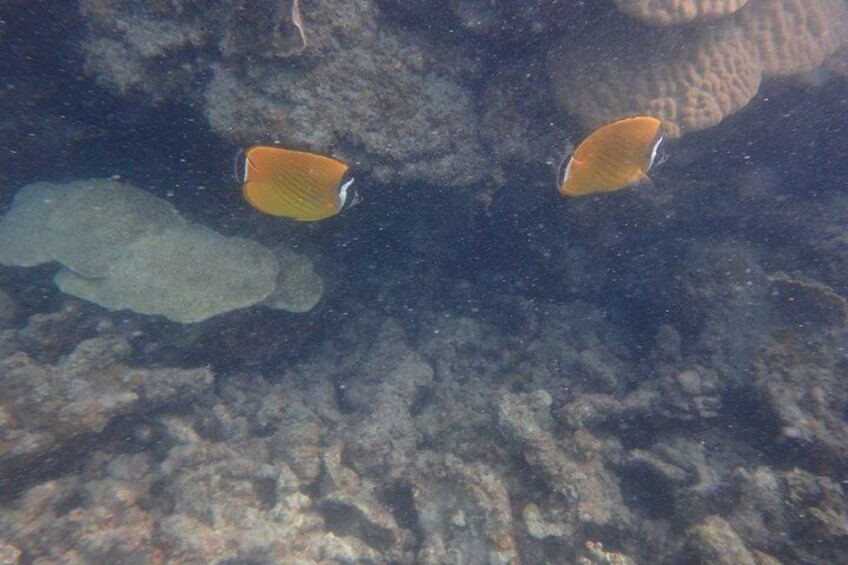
[693, 77]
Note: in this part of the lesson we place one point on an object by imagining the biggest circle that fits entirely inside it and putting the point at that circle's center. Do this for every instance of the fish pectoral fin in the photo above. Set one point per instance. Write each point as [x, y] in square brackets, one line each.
[648, 189]
[643, 180]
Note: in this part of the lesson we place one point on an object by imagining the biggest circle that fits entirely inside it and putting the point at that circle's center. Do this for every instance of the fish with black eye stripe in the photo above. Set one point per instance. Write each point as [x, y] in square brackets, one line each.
[295, 184]
[613, 157]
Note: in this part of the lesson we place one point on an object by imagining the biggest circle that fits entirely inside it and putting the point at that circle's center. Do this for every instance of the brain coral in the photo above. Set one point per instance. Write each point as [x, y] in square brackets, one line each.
[666, 12]
[792, 36]
[693, 77]
[123, 248]
[690, 82]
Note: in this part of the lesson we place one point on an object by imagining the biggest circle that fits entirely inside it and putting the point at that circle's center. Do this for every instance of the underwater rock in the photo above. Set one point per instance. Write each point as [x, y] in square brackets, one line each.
[809, 302]
[86, 520]
[691, 393]
[123, 248]
[597, 555]
[142, 33]
[826, 242]
[715, 542]
[574, 470]
[675, 475]
[46, 338]
[574, 342]
[513, 111]
[231, 501]
[388, 385]
[299, 442]
[786, 359]
[777, 345]
[503, 20]
[463, 510]
[792, 513]
[361, 87]
[47, 408]
[227, 504]
[9, 554]
[540, 526]
[350, 508]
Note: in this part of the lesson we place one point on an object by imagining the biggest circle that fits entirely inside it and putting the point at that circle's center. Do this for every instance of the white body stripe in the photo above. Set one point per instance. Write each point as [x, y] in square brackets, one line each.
[566, 173]
[343, 193]
[654, 152]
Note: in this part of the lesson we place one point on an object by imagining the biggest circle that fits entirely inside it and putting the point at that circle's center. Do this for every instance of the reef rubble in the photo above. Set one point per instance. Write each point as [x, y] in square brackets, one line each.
[463, 444]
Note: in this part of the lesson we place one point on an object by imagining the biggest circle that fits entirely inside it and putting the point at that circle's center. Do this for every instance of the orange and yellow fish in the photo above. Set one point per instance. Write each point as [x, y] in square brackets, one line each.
[295, 184]
[613, 157]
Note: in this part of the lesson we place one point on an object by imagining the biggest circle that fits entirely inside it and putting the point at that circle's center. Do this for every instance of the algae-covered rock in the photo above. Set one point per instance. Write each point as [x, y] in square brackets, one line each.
[186, 274]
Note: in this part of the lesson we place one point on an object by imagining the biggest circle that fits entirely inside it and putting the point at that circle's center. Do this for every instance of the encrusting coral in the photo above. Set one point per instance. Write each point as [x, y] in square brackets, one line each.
[123, 248]
[95, 222]
[186, 275]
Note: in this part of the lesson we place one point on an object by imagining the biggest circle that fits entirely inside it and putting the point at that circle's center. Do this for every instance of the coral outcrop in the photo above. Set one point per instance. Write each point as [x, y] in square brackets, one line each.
[47, 408]
[411, 93]
[693, 78]
[362, 89]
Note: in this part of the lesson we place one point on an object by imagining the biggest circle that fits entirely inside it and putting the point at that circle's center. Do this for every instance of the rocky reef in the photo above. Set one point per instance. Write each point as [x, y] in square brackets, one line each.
[451, 372]
[562, 439]
[395, 89]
